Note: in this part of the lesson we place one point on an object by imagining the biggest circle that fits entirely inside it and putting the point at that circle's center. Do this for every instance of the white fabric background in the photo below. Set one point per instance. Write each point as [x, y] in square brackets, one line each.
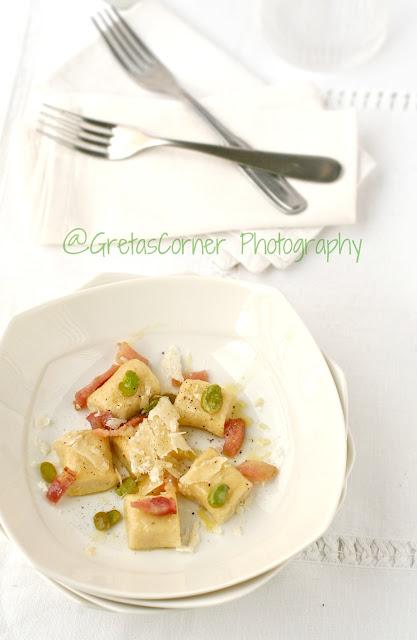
[364, 316]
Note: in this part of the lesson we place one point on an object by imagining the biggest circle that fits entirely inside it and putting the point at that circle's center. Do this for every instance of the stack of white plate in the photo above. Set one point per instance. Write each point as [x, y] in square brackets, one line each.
[242, 332]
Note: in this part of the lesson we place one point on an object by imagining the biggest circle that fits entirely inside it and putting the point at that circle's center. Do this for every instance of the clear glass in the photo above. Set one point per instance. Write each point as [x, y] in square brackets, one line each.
[325, 35]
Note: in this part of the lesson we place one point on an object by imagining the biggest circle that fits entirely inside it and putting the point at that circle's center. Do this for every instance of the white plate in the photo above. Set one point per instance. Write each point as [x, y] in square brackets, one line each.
[244, 588]
[238, 331]
[95, 602]
[144, 607]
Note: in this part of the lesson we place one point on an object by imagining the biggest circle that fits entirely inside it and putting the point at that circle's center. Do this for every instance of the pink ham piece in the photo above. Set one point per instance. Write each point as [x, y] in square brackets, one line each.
[257, 471]
[234, 434]
[194, 375]
[133, 422]
[81, 397]
[198, 375]
[108, 432]
[113, 433]
[59, 486]
[126, 352]
[98, 420]
[156, 506]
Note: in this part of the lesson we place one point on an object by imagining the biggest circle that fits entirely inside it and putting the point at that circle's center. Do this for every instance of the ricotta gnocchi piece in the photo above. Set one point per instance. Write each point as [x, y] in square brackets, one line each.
[194, 412]
[89, 457]
[216, 485]
[127, 392]
[147, 528]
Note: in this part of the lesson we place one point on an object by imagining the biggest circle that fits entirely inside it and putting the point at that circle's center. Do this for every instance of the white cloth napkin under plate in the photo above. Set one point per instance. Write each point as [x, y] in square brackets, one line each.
[174, 191]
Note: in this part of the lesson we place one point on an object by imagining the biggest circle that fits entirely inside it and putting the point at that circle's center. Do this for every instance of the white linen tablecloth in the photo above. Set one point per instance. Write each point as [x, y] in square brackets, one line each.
[362, 581]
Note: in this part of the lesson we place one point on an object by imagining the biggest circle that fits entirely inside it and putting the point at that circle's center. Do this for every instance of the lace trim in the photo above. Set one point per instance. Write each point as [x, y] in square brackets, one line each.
[367, 100]
[364, 552]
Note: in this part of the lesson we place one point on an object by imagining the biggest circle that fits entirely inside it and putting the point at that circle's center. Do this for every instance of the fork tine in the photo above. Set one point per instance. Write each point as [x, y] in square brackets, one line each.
[102, 125]
[122, 42]
[74, 131]
[115, 47]
[134, 36]
[73, 144]
[124, 35]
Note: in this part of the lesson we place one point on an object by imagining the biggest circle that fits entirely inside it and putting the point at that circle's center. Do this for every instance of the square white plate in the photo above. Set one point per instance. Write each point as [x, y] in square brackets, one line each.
[242, 332]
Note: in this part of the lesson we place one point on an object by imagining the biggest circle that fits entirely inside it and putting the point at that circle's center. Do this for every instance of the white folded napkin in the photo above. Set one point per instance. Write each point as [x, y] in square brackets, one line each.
[174, 191]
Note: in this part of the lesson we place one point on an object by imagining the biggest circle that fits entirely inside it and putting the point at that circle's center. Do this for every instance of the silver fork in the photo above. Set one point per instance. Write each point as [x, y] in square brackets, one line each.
[148, 71]
[119, 142]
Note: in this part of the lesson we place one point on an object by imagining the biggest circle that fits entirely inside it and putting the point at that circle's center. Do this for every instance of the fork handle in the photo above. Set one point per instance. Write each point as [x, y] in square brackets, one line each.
[276, 187]
[301, 167]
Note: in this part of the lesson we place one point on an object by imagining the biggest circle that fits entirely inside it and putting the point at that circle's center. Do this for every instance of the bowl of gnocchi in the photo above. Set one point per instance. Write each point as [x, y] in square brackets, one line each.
[175, 436]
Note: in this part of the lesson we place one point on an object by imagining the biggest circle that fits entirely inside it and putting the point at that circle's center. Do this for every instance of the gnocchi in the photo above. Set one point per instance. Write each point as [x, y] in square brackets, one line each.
[209, 472]
[109, 397]
[89, 456]
[189, 406]
[149, 531]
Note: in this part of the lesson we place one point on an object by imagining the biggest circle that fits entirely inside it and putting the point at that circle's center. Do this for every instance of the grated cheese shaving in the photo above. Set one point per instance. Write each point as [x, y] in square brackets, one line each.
[193, 539]
[114, 423]
[166, 411]
[203, 470]
[150, 446]
[42, 421]
[171, 364]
